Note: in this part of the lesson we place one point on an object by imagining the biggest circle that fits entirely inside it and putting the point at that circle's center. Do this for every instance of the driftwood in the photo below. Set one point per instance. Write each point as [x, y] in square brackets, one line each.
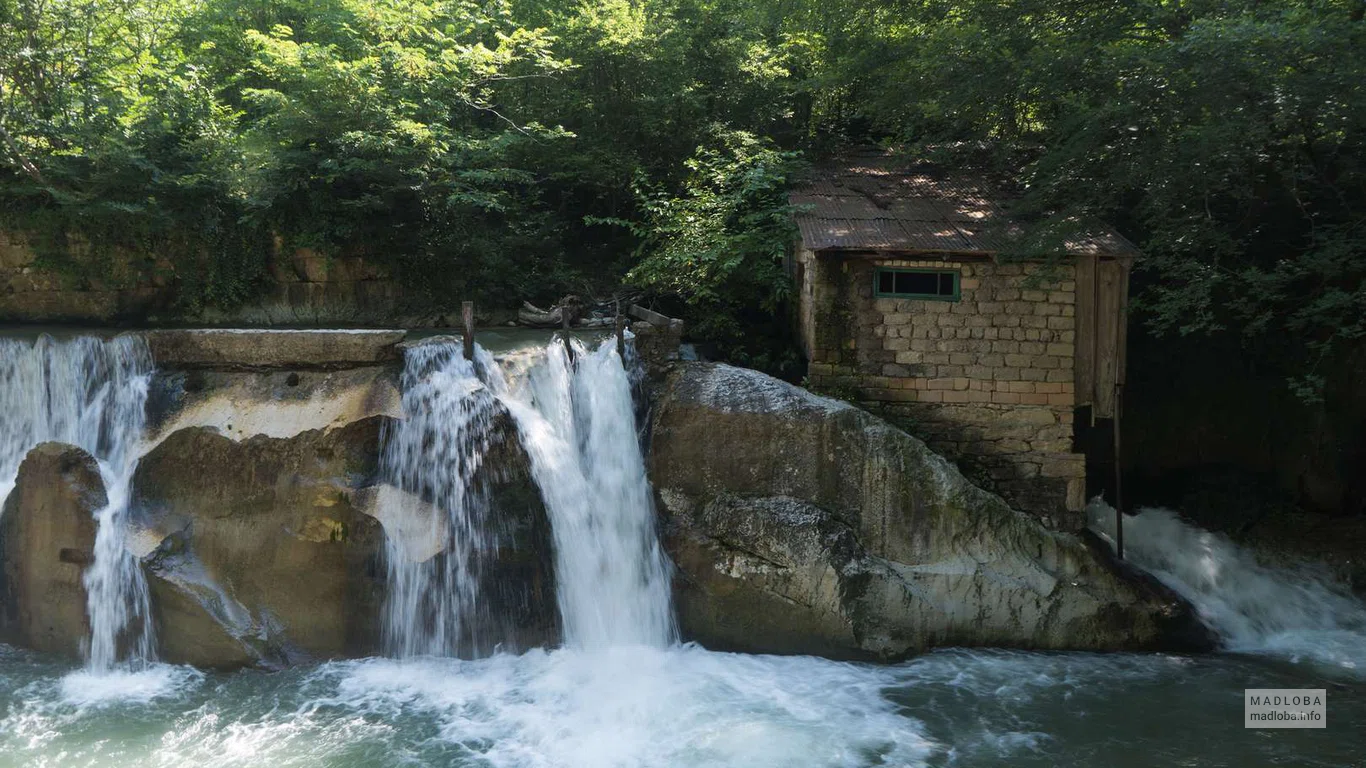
[570, 307]
[535, 317]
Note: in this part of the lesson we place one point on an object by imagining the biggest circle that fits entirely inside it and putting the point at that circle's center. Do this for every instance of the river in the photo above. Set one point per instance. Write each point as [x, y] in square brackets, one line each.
[623, 691]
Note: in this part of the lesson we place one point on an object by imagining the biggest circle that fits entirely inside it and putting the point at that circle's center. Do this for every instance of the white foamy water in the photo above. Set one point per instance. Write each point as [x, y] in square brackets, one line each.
[1294, 613]
[86, 688]
[577, 422]
[90, 393]
[676, 707]
[642, 706]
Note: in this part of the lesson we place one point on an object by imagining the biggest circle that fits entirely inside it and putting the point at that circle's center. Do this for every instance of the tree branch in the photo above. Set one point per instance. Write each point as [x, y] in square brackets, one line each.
[24, 163]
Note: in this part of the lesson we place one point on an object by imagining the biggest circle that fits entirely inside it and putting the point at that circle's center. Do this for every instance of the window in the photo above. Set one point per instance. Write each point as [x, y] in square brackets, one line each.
[939, 284]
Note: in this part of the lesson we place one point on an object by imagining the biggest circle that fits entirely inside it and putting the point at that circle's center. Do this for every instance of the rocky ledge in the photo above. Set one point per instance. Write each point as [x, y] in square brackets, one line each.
[801, 524]
[229, 349]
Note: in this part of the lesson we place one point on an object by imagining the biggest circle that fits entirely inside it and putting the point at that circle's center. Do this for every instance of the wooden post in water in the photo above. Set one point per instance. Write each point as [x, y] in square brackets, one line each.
[621, 335]
[564, 333]
[467, 317]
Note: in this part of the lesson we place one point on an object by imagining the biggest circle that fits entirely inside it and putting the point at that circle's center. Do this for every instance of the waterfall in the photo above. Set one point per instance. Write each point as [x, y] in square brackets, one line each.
[1292, 612]
[576, 420]
[92, 394]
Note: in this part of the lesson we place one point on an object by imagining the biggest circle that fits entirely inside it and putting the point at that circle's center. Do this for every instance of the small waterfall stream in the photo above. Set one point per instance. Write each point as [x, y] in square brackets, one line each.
[575, 416]
[92, 394]
[1290, 612]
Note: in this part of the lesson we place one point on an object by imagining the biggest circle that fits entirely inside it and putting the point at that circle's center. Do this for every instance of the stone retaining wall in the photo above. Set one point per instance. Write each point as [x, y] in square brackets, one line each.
[305, 287]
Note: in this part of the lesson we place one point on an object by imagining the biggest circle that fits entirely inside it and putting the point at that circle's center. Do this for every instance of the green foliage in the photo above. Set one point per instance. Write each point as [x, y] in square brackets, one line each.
[1227, 139]
[479, 147]
[719, 244]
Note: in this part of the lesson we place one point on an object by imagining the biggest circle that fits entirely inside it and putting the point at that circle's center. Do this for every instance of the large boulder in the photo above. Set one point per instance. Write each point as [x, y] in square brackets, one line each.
[270, 550]
[801, 524]
[253, 550]
[47, 537]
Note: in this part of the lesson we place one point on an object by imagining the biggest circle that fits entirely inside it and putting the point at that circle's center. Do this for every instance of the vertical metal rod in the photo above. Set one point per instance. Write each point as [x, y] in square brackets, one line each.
[467, 317]
[1094, 394]
[1121, 329]
[621, 335]
[1119, 472]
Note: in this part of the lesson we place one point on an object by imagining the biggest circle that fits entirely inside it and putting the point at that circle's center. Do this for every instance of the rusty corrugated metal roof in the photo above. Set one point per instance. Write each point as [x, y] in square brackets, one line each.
[871, 201]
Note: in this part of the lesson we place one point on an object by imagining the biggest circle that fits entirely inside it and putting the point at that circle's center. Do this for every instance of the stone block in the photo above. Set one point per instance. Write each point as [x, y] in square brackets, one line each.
[1061, 350]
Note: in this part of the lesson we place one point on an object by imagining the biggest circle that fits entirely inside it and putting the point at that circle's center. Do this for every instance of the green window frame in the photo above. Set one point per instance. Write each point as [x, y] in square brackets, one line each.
[931, 284]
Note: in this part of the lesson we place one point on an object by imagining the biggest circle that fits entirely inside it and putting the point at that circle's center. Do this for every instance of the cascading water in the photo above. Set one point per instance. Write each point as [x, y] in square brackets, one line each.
[1295, 613]
[92, 394]
[432, 456]
[576, 421]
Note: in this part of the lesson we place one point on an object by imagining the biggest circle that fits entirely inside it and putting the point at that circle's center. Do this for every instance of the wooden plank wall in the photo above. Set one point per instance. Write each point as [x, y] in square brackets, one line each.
[1102, 310]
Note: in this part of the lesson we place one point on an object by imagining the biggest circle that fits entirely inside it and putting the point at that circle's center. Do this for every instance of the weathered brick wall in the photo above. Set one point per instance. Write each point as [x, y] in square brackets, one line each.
[986, 380]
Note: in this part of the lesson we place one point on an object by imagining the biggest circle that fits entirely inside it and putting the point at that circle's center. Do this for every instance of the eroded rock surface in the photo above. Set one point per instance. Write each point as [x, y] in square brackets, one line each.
[259, 548]
[801, 524]
[47, 537]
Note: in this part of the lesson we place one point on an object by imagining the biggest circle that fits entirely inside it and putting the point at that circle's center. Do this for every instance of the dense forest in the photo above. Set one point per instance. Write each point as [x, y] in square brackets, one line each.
[523, 149]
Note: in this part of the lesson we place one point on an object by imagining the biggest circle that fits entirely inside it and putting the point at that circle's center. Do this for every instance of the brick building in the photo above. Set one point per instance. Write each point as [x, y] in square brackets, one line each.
[906, 303]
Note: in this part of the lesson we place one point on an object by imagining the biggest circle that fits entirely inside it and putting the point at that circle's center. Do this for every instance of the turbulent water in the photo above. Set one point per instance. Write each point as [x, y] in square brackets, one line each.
[677, 707]
[621, 692]
[1296, 613]
[90, 393]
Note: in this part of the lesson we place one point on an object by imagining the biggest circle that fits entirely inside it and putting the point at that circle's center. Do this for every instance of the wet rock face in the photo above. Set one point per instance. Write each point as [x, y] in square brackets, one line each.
[517, 580]
[47, 537]
[514, 570]
[801, 524]
[253, 549]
